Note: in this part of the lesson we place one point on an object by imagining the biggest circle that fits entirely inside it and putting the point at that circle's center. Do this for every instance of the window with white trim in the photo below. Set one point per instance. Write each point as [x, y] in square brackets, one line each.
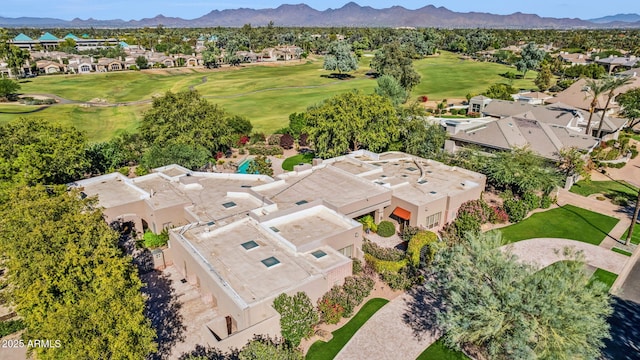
[433, 220]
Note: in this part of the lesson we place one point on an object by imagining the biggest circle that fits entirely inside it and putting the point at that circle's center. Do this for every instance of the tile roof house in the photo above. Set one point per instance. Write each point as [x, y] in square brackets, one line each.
[577, 95]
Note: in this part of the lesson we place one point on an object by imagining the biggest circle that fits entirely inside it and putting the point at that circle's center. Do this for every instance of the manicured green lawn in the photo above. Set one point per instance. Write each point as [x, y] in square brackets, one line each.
[635, 237]
[328, 350]
[609, 189]
[266, 95]
[568, 222]
[98, 123]
[294, 160]
[620, 251]
[604, 276]
[437, 351]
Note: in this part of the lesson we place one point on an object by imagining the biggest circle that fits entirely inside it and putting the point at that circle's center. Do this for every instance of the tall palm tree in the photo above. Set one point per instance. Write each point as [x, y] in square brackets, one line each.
[595, 89]
[611, 84]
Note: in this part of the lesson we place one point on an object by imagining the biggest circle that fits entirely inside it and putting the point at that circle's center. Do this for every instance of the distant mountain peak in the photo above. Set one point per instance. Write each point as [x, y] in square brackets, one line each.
[350, 14]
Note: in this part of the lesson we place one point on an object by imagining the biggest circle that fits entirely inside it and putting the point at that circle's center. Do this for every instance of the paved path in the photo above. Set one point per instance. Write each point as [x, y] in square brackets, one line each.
[385, 336]
[546, 251]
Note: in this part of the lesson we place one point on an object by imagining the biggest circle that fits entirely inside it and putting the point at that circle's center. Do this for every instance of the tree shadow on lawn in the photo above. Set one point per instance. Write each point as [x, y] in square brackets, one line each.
[625, 333]
[338, 76]
[422, 309]
[594, 226]
[163, 309]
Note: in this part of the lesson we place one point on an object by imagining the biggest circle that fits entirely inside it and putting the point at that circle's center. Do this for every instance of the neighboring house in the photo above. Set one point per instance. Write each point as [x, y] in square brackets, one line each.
[559, 114]
[523, 130]
[81, 65]
[50, 67]
[109, 64]
[532, 97]
[478, 103]
[573, 59]
[613, 62]
[244, 239]
[577, 95]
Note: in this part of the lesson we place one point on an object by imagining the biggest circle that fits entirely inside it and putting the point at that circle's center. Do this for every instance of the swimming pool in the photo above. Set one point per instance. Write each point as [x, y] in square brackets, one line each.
[244, 165]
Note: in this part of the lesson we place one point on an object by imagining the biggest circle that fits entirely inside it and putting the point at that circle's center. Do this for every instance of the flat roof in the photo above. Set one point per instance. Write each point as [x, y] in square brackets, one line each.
[112, 190]
[310, 226]
[243, 270]
[329, 183]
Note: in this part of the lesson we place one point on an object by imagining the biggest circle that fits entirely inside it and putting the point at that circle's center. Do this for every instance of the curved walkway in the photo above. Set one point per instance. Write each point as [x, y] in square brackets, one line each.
[385, 336]
[546, 251]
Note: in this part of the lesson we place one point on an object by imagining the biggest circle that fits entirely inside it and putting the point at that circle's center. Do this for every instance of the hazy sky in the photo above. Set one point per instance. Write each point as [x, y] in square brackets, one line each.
[189, 9]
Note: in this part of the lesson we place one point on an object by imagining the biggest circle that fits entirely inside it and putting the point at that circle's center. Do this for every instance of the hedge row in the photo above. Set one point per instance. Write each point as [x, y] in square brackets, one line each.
[381, 266]
[418, 242]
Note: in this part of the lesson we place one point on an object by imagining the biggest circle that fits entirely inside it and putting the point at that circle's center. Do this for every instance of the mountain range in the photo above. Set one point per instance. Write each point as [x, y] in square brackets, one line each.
[350, 14]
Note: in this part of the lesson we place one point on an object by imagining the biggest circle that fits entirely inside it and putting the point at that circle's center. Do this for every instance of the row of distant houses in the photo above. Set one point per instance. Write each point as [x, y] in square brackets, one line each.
[610, 63]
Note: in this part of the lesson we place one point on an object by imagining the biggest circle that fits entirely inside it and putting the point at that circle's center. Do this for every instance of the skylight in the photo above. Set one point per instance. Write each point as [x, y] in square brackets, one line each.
[270, 262]
[301, 202]
[423, 181]
[249, 245]
[411, 168]
[318, 254]
[229, 204]
[274, 229]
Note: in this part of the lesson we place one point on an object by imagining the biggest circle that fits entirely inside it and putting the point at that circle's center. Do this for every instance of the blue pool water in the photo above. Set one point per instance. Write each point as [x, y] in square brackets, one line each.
[244, 165]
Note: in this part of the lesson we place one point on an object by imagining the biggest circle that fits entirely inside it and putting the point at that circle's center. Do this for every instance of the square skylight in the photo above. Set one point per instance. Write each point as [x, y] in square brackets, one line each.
[229, 204]
[211, 223]
[249, 245]
[270, 262]
[318, 254]
[423, 181]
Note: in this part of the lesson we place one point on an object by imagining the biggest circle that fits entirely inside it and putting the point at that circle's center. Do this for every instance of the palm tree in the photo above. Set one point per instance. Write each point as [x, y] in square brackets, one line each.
[611, 84]
[595, 89]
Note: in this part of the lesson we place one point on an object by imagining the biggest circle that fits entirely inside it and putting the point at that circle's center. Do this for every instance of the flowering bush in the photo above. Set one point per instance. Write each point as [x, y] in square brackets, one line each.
[499, 215]
[330, 311]
[244, 139]
[478, 210]
[381, 253]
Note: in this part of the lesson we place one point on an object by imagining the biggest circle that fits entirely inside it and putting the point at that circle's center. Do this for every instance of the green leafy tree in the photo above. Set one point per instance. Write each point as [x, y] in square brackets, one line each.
[544, 78]
[339, 58]
[186, 118]
[419, 138]
[500, 91]
[263, 347]
[350, 121]
[260, 165]
[297, 317]
[572, 162]
[33, 152]
[389, 87]
[630, 102]
[191, 156]
[530, 58]
[69, 280]
[508, 310]
[142, 62]
[297, 123]
[612, 83]
[8, 89]
[520, 171]
[394, 61]
[240, 125]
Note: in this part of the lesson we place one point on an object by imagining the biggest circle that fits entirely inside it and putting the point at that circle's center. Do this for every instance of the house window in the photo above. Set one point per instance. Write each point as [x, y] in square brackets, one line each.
[347, 251]
[433, 220]
[475, 108]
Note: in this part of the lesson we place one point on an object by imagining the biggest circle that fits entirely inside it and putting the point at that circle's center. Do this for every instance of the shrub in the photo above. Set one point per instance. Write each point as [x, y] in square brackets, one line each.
[466, 223]
[265, 150]
[124, 170]
[386, 229]
[409, 232]
[620, 200]
[516, 209]
[10, 327]
[354, 290]
[381, 266]
[382, 253]
[546, 202]
[418, 242]
[152, 240]
[531, 200]
[356, 266]
[330, 311]
[634, 152]
[257, 138]
[453, 111]
[141, 170]
[616, 165]
[274, 139]
[368, 223]
[286, 141]
[303, 140]
[499, 215]
[423, 98]
[478, 210]
[397, 281]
